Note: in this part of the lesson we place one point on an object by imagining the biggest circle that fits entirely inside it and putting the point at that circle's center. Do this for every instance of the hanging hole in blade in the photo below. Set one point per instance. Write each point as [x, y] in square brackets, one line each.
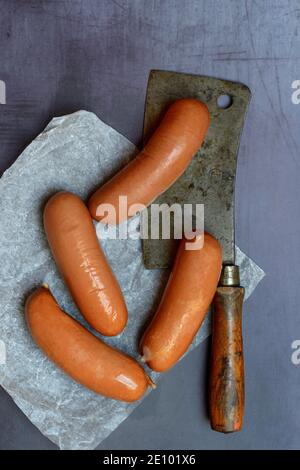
[224, 101]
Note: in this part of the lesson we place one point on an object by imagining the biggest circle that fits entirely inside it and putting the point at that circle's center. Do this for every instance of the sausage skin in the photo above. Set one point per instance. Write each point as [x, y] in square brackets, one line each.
[185, 302]
[80, 259]
[87, 359]
[162, 161]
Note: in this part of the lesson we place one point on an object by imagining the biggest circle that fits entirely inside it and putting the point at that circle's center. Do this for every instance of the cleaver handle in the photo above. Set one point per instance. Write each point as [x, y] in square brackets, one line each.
[226, 394]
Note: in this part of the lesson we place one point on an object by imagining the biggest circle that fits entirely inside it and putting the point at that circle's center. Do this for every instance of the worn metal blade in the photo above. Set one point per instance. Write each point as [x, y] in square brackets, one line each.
[210, 177]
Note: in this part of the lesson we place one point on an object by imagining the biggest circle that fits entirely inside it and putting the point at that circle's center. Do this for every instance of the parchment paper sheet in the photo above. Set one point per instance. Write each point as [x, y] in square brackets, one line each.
[76, 153]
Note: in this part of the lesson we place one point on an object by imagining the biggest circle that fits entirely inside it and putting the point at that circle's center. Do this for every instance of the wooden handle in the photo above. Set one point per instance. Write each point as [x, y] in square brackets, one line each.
[226, 395]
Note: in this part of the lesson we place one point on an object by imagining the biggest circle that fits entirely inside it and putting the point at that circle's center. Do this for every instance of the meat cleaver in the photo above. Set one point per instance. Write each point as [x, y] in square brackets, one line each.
[208, 180]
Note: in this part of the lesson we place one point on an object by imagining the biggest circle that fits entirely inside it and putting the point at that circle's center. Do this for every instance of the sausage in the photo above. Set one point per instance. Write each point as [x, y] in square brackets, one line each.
[162, 161]
[87, 359]
[80, 259]
[186, 299]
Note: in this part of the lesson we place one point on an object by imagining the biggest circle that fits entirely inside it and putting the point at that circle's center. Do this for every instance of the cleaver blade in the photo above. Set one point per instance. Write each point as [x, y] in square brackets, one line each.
[210, 177]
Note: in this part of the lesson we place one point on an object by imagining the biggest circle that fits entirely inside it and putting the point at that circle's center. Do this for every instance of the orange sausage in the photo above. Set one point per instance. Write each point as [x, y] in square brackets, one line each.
[188, 294]
[162, 161]
[79, 257]
[80, 354]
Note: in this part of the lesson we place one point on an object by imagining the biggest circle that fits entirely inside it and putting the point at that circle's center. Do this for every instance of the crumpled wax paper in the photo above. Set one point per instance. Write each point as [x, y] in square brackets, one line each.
[76, 153]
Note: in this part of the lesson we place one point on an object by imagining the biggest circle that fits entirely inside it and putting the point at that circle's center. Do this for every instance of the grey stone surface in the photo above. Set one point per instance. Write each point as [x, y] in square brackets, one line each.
[59, 56]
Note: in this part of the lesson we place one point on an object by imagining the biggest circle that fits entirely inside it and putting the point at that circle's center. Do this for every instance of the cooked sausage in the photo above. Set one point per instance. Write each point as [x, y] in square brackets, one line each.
[188, 294]
[162, 161]
[87, 359]
[79, 257]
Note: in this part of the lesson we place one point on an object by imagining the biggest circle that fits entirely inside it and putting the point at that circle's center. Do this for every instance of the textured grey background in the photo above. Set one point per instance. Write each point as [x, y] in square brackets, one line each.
[59, 56]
